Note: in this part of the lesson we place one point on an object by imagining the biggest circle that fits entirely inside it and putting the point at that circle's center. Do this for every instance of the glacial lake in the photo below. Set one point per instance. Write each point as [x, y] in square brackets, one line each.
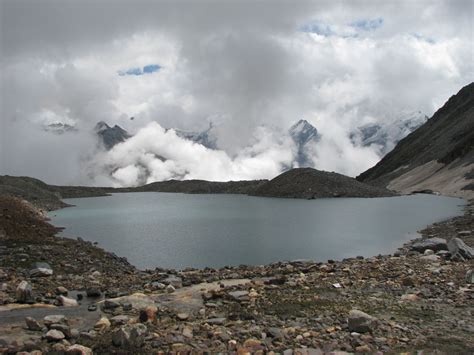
[172, 230]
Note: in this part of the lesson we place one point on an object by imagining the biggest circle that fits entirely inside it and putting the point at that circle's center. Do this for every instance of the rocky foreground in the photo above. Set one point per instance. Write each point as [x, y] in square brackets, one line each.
[61, 295]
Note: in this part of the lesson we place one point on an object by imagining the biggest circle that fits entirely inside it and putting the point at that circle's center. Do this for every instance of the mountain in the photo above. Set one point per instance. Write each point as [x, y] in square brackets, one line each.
[438, 156]
[60, 128]
[205, 138]
[111, 136]
[311, 183]
[386, 135]
[303, 133]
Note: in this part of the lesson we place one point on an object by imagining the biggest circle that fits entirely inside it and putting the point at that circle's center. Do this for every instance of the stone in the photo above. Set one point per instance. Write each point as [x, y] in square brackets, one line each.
[459, 250]
[77, 349]
[102, 324]
[464, 233]
[409, 297]
[148, 314]
[429, 252]
[434, 244]
[188, 332]
[170, 289]
[93, 292]
[54, 319]
[67, 302]
[361, 322]
[62, 328]
[119, 320]
[129, 335]
[41, 270]
[24, 292]
[216, 321]
[239, 295]
[182, 316]
[32, 324]
[430, 258]
[174, 281]
[61, 290]
[111, 304]
[54, 335]
[92, 308]
[470, 276]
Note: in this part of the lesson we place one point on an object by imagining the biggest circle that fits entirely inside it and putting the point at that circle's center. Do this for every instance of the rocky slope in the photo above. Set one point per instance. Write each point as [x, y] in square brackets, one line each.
[83, 300]
[311, 183]
[438, 156]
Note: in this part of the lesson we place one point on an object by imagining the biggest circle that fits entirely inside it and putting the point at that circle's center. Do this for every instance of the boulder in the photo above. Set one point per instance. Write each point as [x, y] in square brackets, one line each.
[24, 292]
[32, 324]
[239, 295]
[54, 335]
[434, 244]
[119, 320]
[41, 270]
[61, 290]
[54, 319]
[102, 324]
[174, 281]
[361, 322]
[77, 349]
[148, 314]
[459, 250]
[67, 302]
[111, 304]
[129, 336]
[93, 292]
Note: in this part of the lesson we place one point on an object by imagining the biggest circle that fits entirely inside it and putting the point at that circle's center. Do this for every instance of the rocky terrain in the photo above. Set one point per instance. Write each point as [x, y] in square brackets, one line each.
[61, 295]
[438, 156]
[311, 183]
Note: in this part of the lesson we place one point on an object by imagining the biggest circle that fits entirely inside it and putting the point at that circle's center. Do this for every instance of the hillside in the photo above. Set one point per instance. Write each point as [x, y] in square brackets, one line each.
[311, 183]
[438, 156]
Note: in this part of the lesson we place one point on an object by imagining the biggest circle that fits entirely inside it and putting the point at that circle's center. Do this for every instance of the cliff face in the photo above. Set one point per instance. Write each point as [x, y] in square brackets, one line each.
[438, 156]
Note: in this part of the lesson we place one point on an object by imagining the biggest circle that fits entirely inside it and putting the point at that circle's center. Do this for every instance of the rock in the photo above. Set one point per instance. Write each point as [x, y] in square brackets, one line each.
[129, 335]
[77, 349]
[92, 308]
[409, 297]
[429, 252]
[188, 332]
[361, 322]
[253, 345]
[67, 302]
[174, 281]
[170, 289]
[217, 321]
[111, 304]
[464, 233]
[54, 335]
[182, 316]
[61, 290]
[93, 292]
[430, 258]
[24, 292]
[32, 324]
[54, 319]
[119, 320]
[62, 328]
[459, 250]
[157, 285]
[102, 324]
[470, 276]
[434, 244]
[239, 295]
[148, 314]
[41, 270]
[363, 349]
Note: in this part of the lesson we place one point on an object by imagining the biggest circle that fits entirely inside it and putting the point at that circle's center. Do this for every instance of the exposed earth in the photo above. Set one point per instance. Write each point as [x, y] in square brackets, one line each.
[81, 299]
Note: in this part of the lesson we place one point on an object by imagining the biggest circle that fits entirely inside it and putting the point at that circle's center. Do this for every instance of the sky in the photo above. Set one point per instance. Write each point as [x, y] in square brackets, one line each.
[249, 68]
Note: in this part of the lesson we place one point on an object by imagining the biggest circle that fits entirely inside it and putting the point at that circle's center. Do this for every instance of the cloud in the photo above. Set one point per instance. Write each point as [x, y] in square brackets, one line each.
[240, 65]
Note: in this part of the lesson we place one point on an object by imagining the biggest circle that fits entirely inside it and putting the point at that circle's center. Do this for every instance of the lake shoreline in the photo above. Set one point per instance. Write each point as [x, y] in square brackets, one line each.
[280, 300]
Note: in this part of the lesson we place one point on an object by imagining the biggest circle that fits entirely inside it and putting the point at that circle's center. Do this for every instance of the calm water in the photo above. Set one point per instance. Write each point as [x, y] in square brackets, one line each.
[177, 230]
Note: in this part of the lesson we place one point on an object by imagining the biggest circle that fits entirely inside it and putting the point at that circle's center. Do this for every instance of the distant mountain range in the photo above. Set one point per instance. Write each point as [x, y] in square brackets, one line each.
[385, 135]
[303, 134]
